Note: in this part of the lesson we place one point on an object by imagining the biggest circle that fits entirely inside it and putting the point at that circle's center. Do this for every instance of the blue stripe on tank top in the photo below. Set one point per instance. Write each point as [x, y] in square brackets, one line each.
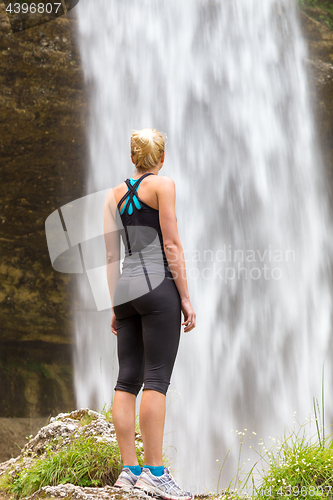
[136, 201]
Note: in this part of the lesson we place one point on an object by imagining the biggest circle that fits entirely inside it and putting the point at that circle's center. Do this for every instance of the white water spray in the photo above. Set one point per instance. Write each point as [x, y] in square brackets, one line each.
[226, 81]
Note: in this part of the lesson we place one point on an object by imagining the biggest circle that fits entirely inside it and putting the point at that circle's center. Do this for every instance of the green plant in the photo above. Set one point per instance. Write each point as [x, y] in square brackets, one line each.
[325, 6]
[297, 468]
[300, 466]
[321, 440]
[84, 462]
[86, 419]
[107, 412]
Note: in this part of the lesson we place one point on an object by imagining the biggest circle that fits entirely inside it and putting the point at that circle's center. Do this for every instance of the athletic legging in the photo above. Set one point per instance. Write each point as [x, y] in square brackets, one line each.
[148, 334]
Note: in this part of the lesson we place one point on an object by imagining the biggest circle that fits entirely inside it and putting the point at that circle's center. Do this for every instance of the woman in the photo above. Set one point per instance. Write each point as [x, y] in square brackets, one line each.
[147, 302]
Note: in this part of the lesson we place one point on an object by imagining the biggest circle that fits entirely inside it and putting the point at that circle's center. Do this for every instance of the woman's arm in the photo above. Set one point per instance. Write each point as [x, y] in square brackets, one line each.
[166, 195]
[112, 244]
[173, 248]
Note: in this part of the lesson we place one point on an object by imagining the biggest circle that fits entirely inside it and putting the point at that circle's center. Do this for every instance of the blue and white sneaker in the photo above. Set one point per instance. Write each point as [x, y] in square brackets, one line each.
[162, 486]
[126, 479]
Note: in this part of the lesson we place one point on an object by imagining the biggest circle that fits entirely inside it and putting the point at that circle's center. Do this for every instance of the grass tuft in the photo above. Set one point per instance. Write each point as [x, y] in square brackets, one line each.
[85, 461]
[298, 466]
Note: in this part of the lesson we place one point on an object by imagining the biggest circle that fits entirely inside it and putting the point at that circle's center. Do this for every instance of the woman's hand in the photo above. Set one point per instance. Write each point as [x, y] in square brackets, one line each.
[189, 315]
[113, 324]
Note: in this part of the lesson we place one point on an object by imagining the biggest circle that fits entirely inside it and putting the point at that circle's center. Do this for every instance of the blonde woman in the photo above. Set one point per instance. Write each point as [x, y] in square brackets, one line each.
[148, 298]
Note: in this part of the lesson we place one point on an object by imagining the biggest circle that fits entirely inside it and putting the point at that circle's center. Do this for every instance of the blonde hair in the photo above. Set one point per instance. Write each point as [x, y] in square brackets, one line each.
[147, 147]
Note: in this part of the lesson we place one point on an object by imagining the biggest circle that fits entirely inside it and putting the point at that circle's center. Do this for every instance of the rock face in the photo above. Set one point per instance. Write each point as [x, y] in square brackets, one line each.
[72, 492]
[43, 150]
[43, 112]
[319, 38]
[14, 432]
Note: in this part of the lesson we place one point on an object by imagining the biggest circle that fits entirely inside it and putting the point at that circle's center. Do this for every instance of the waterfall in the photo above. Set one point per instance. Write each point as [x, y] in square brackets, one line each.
[226, 81]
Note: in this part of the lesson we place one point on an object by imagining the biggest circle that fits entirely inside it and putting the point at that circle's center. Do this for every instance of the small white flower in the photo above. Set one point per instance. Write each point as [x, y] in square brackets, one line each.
[254, 433]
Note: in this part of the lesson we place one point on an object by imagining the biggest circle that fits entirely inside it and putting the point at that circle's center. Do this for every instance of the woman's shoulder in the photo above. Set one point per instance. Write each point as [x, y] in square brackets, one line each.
[164, 179]
[113, 195]
[165, 190]
[165, 183]
[117, 190]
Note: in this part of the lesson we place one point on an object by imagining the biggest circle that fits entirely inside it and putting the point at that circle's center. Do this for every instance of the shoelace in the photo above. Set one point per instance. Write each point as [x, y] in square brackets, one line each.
[170, 483]
[130, 474]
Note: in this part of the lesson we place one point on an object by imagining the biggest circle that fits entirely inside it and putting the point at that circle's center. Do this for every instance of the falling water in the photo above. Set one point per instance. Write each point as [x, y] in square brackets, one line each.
[226, 81]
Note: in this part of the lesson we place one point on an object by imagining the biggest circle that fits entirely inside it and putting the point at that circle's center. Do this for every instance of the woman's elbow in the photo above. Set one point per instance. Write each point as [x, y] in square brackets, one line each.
[172, 245]
[111, 257]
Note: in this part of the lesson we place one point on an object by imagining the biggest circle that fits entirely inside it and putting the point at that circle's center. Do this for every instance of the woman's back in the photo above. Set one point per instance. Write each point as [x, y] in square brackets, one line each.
[138, 220]
[147, 190]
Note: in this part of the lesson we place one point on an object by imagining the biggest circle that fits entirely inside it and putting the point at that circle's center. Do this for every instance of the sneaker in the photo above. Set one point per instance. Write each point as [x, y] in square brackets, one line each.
[126, 479]
[163, 486]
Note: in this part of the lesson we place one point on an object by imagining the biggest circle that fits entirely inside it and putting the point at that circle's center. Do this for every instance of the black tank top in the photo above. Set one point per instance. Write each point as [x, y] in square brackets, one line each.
[139, 226]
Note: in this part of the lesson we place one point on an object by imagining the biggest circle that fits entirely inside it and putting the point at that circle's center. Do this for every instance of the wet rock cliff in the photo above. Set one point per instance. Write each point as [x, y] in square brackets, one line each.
[317, 28]
[44, 107]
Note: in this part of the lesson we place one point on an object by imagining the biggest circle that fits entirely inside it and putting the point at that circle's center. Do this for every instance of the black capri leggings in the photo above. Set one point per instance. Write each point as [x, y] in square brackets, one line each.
[148, 334]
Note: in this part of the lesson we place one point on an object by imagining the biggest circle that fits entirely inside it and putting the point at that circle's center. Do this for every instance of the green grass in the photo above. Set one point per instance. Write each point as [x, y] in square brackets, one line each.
[83, 462]
[299, 466]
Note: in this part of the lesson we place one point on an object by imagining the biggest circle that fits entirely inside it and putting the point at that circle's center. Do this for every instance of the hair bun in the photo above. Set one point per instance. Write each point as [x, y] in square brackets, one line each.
[147, 147]
[146, 141]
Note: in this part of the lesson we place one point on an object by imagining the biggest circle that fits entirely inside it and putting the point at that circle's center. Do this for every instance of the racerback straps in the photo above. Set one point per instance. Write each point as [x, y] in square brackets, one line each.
[132, 194]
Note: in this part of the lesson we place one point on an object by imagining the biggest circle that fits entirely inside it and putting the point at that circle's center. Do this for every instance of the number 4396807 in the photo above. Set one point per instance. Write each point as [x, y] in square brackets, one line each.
[32, 8]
